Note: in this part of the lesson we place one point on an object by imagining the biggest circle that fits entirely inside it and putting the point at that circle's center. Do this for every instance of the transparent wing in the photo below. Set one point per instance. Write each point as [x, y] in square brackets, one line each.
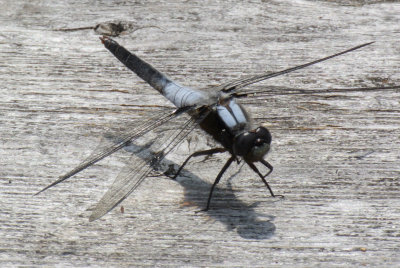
[234, 86]
[237, 88]
[140, 165]
[252, 95]
[104, 151]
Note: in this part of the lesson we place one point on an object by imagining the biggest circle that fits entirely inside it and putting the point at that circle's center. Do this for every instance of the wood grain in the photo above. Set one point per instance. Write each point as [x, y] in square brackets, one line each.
[336, 157]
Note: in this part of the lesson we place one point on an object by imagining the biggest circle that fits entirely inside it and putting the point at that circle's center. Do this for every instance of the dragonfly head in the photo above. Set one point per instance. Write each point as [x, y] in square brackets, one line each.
[252, 145]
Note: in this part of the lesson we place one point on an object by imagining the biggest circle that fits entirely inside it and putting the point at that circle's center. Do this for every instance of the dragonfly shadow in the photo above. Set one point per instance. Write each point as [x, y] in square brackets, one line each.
[225, 206]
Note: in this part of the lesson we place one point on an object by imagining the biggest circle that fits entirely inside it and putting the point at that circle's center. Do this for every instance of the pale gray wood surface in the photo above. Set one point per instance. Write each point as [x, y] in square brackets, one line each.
[336, 158]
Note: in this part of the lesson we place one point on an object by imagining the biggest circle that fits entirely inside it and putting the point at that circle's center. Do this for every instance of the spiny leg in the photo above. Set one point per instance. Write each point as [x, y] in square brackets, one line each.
[269, 166]
[227, 164]
[199, 153]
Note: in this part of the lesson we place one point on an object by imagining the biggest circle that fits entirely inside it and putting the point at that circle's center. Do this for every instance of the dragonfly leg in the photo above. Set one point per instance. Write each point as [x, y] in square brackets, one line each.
[199, 153]
[269, 166]
[227, 164]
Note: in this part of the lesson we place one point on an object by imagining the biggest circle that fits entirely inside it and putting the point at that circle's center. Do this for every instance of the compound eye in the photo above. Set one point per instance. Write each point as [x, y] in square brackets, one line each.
[243, 143]
[263, 135]
[259, 142]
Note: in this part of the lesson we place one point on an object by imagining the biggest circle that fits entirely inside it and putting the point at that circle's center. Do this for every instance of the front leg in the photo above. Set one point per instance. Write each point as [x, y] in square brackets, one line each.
[269, 166]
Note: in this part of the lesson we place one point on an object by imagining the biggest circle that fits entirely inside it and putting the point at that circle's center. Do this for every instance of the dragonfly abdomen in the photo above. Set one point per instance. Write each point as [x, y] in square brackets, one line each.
[180, 96]
[144, 70]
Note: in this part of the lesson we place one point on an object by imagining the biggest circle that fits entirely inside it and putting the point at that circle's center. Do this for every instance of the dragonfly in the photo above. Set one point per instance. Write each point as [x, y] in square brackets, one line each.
[218, 113]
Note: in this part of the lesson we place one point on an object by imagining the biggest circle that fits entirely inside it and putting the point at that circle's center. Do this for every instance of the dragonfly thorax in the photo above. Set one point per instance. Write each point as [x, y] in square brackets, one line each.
[252, 145]
[241, 138]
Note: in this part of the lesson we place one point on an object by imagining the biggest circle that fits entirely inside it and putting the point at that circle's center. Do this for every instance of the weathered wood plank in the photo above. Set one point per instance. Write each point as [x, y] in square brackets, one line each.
[336, 157]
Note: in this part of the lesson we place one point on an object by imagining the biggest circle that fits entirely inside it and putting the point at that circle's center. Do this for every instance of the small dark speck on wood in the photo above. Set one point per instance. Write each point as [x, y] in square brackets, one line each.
[112, 29]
